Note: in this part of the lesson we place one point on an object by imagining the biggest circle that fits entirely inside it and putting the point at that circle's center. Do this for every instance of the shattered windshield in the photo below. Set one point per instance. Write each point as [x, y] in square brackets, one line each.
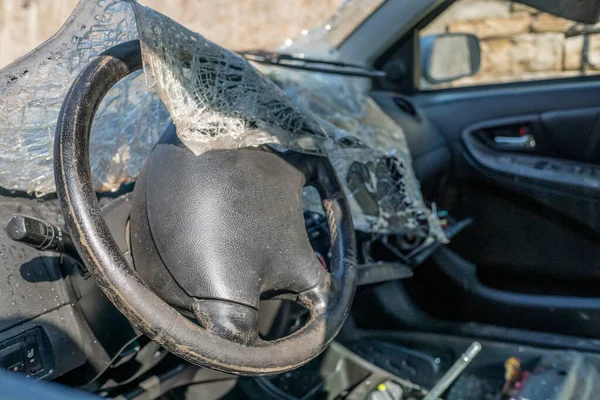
[217, 100]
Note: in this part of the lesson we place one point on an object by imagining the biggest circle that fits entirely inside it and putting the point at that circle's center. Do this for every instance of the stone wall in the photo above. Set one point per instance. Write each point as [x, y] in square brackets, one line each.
[521, 43]
[235, 24]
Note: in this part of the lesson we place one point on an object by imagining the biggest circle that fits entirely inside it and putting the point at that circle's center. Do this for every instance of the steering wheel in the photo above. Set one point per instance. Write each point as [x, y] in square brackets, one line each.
[211, 235]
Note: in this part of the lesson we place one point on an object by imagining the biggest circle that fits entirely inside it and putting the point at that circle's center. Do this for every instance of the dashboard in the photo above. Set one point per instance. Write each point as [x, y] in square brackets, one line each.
[39, 325]
[53, 316]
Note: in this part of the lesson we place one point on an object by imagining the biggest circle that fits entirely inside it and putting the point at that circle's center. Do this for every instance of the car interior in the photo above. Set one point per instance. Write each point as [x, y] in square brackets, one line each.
[209, 277]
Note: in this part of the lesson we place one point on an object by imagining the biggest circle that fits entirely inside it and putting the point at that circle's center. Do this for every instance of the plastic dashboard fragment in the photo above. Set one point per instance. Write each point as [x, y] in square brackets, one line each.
[217, 100]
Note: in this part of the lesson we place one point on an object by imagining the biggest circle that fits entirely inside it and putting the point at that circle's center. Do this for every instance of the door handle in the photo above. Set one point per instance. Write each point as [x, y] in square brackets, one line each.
[515, 143]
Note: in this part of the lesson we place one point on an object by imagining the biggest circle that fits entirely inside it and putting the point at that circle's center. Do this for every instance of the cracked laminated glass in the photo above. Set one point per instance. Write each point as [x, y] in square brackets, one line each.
[217, 100]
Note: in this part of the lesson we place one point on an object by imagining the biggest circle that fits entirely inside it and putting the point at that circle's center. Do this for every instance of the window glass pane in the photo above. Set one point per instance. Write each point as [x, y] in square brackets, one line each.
[518, 43]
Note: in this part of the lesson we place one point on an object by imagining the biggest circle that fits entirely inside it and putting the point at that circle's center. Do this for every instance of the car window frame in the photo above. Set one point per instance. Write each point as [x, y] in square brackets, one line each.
[417, 73]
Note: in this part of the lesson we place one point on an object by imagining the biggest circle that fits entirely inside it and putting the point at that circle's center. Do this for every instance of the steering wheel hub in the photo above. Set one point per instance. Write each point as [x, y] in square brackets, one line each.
[228, 226]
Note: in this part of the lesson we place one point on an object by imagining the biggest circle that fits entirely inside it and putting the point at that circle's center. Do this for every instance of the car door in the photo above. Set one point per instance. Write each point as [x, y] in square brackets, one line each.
[516, 148]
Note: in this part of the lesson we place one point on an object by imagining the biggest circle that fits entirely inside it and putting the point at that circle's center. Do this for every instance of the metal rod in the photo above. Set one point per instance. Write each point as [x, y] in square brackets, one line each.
[455, 370]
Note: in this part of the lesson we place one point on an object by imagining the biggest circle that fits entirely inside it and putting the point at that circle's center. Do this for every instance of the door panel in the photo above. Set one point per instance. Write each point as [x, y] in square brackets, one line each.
[536, 209]
[574, 133]
[552, 191]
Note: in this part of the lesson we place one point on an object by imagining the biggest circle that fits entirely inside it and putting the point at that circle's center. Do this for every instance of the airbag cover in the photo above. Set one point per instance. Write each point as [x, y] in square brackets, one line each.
[228, 224]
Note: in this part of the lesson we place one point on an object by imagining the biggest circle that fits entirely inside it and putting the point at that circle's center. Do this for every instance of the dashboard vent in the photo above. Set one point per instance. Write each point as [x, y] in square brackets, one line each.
[405, 106]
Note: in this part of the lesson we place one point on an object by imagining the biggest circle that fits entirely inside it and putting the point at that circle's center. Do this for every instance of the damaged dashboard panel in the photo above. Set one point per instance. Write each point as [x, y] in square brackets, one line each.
[217, 100]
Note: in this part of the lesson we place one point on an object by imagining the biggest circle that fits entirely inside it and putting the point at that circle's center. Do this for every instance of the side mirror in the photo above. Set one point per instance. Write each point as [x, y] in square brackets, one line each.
[449, 56]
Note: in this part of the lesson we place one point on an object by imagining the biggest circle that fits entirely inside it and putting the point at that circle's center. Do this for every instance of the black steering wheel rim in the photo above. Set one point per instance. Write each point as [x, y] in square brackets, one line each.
[126, 289]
